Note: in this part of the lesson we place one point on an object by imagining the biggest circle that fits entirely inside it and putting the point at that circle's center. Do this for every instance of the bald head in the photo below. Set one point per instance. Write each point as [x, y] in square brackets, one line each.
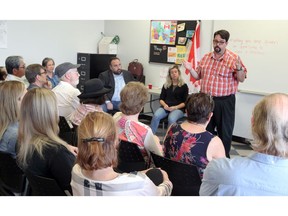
[270, 125]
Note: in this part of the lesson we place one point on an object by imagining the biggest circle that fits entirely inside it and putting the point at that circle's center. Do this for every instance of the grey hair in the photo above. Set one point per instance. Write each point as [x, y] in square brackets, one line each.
[270, 125]
[12, 62]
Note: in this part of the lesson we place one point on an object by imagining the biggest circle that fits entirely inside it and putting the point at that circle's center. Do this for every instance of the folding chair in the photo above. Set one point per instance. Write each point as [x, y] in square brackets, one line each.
[43, 186]
[185, 177]
[130, 158]
[67, 132]
[12, 179]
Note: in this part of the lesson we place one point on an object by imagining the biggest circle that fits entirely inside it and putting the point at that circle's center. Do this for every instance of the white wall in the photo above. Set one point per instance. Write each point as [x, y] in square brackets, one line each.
[258, 47]
[61, 40]
[134, 43]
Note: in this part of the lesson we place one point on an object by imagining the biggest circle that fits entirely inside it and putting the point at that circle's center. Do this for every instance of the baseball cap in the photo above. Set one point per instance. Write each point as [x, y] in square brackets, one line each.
[61, 69]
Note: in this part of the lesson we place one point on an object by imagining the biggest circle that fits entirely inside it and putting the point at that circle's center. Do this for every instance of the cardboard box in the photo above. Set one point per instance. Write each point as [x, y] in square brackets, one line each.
[106, 46]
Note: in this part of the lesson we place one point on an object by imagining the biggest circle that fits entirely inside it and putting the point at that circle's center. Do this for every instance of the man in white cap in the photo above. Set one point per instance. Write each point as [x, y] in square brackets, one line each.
[66, 91]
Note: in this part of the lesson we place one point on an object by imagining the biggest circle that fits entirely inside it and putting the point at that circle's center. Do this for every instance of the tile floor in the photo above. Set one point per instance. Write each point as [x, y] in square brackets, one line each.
[240, 149]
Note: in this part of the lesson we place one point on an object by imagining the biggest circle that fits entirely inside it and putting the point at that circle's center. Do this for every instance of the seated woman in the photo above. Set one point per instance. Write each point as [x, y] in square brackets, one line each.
[91, 99]
[49, 65]
[172, 99]
[11, 94]
[93, 174]
[41, 151]
[133, 98]
[190, 142]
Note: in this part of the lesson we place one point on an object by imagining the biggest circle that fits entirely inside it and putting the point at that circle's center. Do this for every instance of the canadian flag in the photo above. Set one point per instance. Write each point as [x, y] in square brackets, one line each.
[194, 54]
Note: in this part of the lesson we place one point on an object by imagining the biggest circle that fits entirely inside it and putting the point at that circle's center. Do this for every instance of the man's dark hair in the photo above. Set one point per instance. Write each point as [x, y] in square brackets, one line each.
[223, 34]
[112, 59]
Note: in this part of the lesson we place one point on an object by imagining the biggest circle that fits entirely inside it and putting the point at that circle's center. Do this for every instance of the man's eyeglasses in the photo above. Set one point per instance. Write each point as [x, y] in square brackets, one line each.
[22, 67]
[45, 72]
[218, 42]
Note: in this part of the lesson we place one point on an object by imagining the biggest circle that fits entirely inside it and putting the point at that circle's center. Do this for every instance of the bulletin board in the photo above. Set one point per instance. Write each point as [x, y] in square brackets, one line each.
[169, 40]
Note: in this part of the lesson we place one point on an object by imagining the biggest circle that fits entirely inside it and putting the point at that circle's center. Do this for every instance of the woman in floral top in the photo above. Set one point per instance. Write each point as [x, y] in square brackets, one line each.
[190, 142]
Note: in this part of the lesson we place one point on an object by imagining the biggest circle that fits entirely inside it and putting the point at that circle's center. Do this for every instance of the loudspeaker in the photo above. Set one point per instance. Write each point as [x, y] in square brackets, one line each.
[91, 66]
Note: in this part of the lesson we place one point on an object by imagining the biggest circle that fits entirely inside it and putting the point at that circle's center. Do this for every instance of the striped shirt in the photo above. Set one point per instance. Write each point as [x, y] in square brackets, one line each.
[218, 76]
[126, 184]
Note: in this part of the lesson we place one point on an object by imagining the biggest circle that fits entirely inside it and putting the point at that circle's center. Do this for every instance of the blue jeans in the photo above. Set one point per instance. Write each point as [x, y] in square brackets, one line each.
[115, 106]
[161, 113]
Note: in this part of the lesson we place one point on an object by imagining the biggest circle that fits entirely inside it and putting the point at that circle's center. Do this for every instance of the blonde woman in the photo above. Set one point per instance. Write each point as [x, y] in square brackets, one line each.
[133, 98]
[172, 99]
[11, 94]
[41, 151]
[93, 174]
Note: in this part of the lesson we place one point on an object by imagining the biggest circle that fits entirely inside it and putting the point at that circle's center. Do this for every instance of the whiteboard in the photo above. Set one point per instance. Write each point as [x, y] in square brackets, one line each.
[263, 47]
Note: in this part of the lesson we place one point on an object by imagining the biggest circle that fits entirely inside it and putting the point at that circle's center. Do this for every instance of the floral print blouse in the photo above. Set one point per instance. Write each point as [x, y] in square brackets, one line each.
[183, 146]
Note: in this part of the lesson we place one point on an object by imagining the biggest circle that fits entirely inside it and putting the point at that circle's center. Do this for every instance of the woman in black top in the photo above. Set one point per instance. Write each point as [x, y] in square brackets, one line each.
[172, 99]
[41, 151]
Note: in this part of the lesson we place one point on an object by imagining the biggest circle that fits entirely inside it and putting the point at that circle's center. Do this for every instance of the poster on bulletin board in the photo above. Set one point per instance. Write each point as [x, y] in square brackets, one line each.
[169, 40]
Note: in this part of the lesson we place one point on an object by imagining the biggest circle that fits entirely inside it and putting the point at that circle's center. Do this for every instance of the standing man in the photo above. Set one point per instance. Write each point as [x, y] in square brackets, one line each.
[116, 78]
[15, 67]
[220, 72]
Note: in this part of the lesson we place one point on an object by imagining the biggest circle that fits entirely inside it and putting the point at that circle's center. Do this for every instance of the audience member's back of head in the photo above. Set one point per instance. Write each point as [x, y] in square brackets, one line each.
[133, 98]
[97, 137]
[3, 73]
[10, 98]
[270, 125]
[94, 92]
[38, 123]
[198, 107]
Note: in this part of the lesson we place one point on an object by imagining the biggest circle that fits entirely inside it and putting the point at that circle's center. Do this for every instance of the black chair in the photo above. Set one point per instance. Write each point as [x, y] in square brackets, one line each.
[112, 112]
[164, 121]
[12, 179]
[130, 158]
[42, 186]
[67, 132]
[185, 177]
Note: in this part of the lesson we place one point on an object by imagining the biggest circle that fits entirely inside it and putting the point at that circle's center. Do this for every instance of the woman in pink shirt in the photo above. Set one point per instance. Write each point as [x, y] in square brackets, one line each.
[133, 98]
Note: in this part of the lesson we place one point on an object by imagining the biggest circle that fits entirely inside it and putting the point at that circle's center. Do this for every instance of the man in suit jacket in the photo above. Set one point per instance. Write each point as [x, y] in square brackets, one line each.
[116, 78]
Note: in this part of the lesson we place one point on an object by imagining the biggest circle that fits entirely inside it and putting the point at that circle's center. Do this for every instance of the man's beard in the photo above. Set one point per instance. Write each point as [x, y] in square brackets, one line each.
[75, 83]
[217, 49]
[118, 72]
